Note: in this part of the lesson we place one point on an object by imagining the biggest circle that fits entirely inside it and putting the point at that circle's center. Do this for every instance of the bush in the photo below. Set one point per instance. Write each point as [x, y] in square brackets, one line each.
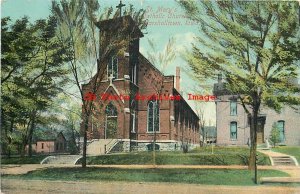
[275, 135]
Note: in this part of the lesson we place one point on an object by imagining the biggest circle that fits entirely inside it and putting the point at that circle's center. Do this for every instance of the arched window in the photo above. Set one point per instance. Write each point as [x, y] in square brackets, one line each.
[112, 67]
[153, 116]
[111, 110]
[233, 130]
[281, 127]
[111, 124]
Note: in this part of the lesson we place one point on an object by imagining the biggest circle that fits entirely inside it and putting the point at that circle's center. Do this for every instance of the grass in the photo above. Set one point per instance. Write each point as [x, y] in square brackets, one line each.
[193, 176]
[23, 160]
[293, 151]
[200, 156]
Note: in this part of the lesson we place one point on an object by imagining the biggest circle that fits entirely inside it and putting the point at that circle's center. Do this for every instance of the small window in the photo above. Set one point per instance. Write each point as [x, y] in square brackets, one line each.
[133, 116]
[112, 68]
[281, 127]
[133, 73]
[233, 130]
[233, 108]
[133, 122]
[150, 147]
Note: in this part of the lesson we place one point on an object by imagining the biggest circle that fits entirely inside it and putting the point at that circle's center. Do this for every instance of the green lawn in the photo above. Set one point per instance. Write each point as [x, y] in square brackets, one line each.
[23, 160]
[196, 176]
[294, 151]
[200, 156]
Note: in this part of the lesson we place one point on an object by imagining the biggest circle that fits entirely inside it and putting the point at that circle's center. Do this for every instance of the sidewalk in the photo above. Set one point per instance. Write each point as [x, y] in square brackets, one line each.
[272, 153]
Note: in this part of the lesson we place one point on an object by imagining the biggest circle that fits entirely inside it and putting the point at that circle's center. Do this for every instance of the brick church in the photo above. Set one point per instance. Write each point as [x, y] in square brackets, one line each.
[136, 104]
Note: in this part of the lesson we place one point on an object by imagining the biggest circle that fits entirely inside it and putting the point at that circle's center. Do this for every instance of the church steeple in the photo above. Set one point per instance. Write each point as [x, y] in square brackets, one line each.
[120, 38]
[125, 24]
[117, 30]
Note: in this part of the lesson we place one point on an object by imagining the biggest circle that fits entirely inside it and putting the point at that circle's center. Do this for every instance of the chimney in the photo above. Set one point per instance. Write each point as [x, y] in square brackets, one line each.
[177, 79]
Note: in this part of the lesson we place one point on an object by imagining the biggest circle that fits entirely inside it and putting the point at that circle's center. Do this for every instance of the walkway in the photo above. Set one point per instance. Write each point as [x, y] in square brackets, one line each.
[278, 159]
[292, 170]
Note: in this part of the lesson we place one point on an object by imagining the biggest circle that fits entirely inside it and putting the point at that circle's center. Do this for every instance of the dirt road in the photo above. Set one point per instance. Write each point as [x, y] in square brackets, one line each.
[12, 186]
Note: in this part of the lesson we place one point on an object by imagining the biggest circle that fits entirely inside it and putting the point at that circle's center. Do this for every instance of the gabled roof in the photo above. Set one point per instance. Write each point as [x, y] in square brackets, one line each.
[51, 138]
[184, 101]
[61, 133]
[143, 59]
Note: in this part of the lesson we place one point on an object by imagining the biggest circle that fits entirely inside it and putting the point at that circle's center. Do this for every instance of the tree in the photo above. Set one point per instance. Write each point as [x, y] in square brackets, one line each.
[200, 113]
[275, 135]
[77, 31]
[255, 45]
[32, 75]
[160, 59]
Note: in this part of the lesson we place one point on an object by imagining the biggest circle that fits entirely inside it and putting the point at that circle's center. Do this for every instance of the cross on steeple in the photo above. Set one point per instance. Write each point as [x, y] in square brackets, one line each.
[111, 77]
[120, 7]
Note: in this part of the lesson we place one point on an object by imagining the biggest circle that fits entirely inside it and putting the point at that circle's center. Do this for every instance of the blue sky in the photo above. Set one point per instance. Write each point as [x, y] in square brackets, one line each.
[165, 20]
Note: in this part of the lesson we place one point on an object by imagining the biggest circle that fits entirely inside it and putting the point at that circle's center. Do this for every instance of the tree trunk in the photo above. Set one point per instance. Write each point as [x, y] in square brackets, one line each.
[9, 138]
[73, 140]
[85, 141]
[30, 134]
[23, 148]
[253, 135]
[203, 136]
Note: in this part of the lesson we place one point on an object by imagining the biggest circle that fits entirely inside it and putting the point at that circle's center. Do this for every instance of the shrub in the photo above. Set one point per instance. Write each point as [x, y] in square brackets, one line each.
[275, 135]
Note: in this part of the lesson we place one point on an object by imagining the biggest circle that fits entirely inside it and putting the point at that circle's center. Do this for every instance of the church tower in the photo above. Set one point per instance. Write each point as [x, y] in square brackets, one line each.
[119, 60]
[120, 37]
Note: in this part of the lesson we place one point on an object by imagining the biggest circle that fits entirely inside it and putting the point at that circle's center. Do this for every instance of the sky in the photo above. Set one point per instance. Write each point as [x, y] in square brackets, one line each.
[165, 20]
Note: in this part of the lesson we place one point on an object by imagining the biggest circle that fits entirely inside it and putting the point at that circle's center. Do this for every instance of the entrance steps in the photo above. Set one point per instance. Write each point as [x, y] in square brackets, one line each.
[61, 159]
[264, 146]
[280, 159]
[100, 146]
[283, 161]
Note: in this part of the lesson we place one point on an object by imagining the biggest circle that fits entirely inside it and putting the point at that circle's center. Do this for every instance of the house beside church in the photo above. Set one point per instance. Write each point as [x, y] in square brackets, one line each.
[135, 103]
[57, 144]
[233, 124]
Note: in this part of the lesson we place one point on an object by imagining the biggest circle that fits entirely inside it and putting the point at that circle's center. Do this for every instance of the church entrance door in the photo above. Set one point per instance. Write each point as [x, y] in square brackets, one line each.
[111, 124]
[111, 128]
[260, 129]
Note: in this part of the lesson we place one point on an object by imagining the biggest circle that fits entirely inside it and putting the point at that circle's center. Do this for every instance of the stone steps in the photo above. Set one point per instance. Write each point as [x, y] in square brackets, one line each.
[283, 161]
[101, 146]
[61, 159]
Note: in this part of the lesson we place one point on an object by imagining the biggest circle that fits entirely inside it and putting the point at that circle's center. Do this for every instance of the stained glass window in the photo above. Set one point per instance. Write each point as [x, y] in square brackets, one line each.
[153, 116]
[111, 110]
